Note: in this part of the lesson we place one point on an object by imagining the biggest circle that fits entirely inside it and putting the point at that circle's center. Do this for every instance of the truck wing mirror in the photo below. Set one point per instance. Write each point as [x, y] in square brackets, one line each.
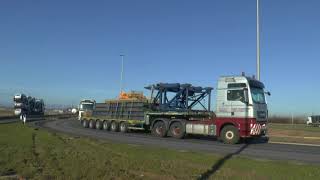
[246, 96]
[268, 93]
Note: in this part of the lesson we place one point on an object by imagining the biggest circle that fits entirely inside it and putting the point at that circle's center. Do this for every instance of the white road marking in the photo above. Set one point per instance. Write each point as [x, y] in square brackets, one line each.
[311, 137]
[300, 144]
[304, 137]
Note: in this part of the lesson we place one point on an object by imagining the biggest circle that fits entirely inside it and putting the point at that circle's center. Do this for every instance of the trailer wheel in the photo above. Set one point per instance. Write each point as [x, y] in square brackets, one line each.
[92, 124]
[106, 125]
[98, 125]
[123, 127]
[85, 124]
[114, 126]
[159, 129]
[230, 135]
[177, 130]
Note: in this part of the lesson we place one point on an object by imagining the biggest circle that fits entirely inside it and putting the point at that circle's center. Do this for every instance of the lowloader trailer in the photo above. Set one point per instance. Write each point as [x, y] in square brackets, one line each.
[176, 110]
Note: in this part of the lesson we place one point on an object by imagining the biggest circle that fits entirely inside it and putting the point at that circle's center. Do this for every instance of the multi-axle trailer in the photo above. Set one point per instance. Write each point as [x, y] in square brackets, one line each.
[179, 109]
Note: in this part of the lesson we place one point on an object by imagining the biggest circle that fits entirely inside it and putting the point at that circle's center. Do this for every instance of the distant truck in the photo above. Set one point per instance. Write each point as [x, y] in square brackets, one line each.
[176, 110]
[28, 107]
[84, 106]
[313, 121]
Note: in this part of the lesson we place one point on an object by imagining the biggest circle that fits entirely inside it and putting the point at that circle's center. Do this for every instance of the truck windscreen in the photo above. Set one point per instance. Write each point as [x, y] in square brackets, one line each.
[258, 95]
[86, 107]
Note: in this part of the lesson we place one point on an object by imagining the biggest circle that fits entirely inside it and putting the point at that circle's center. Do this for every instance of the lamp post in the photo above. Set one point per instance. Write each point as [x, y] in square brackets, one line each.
[258, 42]
[121, 75]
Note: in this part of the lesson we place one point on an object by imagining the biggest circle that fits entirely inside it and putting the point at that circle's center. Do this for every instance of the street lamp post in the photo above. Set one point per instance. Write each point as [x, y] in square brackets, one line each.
[258, 42]
[121, 75]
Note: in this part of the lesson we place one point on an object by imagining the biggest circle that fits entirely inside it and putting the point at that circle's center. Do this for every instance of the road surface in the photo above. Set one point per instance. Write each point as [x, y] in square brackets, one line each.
[297, 153]
[5, 120]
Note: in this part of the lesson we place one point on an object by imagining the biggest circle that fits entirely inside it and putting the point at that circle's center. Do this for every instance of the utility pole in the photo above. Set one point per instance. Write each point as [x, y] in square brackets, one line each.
[121, 75]
[258, 42]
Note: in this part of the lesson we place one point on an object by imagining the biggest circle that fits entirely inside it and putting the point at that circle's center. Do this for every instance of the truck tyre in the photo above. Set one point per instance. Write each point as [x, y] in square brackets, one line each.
[159, 129]
[114, 126]
[230, 135]
[98, 125]
[106, 125]
[85, 124]
[92, 124]
[177, 130]
[123, 127]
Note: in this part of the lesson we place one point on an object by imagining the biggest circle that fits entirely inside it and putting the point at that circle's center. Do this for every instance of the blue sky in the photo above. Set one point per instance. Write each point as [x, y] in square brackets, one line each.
[67, 50]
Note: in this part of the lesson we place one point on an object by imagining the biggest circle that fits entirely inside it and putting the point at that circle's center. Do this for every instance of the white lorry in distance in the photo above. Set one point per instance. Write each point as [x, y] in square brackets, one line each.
[86, 105]
[313, 121]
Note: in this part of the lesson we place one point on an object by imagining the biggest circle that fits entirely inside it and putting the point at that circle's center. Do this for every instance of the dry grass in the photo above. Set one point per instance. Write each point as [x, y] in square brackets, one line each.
[287, 120]
[4, 112]
[297, 133]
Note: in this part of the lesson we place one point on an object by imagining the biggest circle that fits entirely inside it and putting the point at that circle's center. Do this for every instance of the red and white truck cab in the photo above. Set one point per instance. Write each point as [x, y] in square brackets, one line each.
[241, 108]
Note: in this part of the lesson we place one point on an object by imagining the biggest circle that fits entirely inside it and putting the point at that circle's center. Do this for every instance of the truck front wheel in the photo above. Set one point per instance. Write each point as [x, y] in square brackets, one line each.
[159, 129]
[230, 135]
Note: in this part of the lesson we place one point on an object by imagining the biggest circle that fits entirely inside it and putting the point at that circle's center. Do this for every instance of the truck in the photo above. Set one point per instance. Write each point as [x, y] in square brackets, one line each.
[85, 105]
[177, 110]
[313, 121]
[28, 107]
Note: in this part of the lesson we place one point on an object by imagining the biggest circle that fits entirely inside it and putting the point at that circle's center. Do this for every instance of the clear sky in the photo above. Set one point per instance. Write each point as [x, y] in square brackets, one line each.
[67, 50]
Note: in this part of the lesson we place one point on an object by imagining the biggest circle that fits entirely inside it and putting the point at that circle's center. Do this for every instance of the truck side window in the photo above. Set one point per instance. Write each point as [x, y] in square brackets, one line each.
[235, 95]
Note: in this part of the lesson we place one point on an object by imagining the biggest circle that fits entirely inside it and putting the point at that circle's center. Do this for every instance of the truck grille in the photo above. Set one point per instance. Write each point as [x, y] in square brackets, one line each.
[261, 114]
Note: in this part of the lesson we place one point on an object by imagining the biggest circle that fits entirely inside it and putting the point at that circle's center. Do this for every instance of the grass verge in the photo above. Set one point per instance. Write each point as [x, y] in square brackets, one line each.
[38, 154]
[296, 133]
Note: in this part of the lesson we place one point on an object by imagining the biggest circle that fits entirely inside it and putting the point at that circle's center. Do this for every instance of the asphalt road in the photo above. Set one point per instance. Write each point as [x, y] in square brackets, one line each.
[8, 120]
[297, 153]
